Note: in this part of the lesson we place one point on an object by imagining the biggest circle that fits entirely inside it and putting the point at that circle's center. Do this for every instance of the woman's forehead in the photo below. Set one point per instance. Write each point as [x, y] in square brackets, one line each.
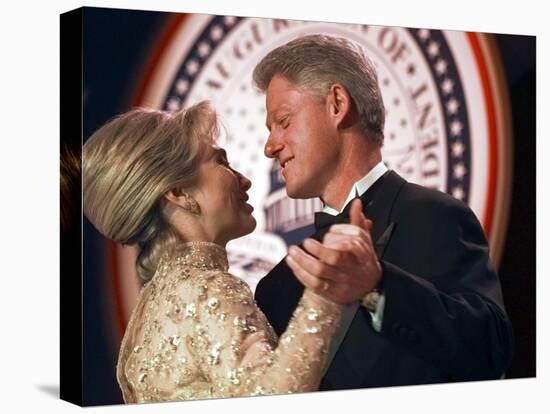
[213, 150]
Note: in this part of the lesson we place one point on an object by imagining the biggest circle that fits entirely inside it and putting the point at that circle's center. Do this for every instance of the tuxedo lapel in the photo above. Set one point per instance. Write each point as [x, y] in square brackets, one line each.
[353, 361]
[382, 241]
[379, 208]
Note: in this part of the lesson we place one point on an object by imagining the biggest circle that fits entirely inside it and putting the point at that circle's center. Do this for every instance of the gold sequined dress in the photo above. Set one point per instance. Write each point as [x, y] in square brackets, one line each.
[197, 333]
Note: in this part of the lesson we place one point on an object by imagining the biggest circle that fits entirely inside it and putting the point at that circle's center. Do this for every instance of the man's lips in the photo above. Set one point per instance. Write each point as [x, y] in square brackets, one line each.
[285, 163]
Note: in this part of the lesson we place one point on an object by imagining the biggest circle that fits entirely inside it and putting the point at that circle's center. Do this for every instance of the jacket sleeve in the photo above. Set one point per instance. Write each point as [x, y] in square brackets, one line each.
[448, 309]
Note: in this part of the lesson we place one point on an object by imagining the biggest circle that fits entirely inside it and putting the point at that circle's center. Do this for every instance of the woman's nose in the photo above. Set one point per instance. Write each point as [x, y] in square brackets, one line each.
[245, 182]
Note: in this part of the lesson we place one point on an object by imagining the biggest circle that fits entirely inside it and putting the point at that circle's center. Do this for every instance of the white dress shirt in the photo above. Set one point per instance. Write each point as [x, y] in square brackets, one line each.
[358, 189]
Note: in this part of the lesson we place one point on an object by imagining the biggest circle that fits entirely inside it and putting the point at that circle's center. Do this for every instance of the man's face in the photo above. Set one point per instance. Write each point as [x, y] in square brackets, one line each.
[302, 138]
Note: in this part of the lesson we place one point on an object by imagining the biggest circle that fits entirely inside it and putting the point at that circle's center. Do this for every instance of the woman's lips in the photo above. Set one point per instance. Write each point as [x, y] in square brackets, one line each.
[244, 198]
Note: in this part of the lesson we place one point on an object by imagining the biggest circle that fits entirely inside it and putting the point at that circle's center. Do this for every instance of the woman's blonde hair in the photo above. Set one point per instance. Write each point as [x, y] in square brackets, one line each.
[130, 162]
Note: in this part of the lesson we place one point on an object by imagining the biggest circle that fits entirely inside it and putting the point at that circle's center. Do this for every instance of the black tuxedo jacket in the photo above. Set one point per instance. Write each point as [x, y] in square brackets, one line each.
[444, 318]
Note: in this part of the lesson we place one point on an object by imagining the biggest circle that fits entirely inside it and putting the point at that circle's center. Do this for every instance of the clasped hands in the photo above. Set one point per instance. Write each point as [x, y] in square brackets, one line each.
[343, 268]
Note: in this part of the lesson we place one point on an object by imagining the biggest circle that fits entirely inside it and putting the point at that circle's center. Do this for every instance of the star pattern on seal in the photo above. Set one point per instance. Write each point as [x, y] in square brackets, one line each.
[459, 171]
[451, 105]
[182, 86]
[204, 49]
[458, 193]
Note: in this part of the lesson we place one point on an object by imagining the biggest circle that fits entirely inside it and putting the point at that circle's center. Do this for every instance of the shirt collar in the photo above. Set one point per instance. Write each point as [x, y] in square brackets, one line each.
[360, 187]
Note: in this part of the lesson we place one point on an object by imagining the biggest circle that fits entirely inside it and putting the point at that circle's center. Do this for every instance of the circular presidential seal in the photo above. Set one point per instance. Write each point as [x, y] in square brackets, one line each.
[446, 118]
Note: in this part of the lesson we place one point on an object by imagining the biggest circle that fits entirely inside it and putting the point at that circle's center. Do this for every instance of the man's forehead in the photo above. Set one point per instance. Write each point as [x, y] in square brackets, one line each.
[279, 87]
[279, 98]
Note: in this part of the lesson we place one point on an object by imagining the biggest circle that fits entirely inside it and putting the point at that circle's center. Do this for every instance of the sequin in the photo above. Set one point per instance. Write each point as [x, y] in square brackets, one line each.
[235, 348]
[214, 356]
[288, 338]
[233, 377]
[190, 310]
[213, 303]
[312, 315]
[202, 292]
[259, 390]
[175, 341]
[198, 328]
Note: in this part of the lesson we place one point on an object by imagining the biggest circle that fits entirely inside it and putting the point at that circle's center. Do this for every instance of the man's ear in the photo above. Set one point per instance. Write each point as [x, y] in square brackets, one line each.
[340, 106]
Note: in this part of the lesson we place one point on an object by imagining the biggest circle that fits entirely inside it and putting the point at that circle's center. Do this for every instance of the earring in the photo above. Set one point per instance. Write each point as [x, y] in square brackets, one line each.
[192, 205]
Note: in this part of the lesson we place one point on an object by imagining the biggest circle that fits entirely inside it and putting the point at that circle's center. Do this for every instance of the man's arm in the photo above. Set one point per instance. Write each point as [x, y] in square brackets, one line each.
[449, 310]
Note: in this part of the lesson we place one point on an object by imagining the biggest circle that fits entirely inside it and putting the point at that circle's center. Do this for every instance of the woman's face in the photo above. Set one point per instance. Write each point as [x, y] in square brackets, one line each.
[221, 194]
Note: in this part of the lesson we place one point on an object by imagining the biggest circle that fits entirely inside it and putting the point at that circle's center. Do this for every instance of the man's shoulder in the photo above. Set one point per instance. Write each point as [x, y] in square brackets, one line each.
[416, 195]
[416, 203]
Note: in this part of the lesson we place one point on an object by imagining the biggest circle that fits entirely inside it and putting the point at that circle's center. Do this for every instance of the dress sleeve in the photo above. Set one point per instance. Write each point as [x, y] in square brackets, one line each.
[245, 357]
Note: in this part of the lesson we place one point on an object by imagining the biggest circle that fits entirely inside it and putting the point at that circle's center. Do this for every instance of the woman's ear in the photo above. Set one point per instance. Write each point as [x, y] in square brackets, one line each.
[182, 200]
[340, 106]
[170, 197]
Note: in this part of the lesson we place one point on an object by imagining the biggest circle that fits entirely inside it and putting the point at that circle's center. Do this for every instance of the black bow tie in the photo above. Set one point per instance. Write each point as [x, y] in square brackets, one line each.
[324, 220]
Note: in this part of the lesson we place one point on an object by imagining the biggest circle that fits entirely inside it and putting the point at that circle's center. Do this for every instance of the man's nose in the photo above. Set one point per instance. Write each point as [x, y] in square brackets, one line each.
[272, 146]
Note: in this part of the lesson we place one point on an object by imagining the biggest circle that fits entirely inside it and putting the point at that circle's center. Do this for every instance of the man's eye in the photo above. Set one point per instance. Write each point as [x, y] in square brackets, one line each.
[285, 122]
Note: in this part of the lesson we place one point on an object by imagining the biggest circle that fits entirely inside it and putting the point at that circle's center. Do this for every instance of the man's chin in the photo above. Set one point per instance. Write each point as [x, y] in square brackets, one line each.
[299, 194]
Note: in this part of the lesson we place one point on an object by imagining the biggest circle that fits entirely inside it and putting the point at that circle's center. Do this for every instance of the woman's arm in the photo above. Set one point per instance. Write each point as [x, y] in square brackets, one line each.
[246, 359]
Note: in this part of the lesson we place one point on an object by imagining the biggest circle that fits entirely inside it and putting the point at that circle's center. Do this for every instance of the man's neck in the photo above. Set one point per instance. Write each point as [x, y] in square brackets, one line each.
[360, 187]
[350, 170]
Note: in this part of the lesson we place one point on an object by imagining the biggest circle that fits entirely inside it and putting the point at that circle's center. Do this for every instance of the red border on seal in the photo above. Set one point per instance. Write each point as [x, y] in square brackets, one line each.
[492, 126]
[160, 48]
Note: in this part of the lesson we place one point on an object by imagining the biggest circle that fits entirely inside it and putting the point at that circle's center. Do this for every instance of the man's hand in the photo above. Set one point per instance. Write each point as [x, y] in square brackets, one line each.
[344, 268]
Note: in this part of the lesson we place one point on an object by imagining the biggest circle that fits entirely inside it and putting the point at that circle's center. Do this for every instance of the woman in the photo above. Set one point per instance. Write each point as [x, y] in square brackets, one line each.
[158, 181]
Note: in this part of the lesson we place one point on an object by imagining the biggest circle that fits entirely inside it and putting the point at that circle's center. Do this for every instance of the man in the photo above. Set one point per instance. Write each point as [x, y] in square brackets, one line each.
[424, 303]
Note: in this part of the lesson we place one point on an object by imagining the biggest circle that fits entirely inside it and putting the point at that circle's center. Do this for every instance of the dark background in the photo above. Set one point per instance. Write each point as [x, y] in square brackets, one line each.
[116, 46]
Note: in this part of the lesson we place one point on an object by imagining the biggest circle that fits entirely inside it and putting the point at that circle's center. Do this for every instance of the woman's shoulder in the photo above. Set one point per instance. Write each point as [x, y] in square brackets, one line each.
[230, 287]
[194, 283]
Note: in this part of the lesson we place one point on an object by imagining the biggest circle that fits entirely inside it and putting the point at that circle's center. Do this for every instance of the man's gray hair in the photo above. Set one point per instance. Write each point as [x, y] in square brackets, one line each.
[315, 62]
